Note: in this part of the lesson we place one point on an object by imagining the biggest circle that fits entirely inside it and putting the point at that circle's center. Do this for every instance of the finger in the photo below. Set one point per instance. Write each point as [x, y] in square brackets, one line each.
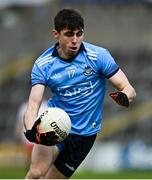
[51, 133]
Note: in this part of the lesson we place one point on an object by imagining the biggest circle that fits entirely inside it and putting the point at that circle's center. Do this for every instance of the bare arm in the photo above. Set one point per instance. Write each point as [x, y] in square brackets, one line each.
[120, 82]
[34, 103]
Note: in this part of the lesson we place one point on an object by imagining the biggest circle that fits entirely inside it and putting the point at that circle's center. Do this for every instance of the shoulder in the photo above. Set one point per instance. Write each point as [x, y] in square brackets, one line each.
[94, 51]
[92, 48]
[45, 58]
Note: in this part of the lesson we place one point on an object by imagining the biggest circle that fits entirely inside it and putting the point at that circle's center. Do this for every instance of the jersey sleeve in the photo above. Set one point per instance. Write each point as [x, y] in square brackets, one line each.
[107, 64]
[37, 75]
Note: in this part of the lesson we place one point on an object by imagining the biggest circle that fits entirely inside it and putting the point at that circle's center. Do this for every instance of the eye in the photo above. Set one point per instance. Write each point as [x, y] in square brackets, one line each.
[80, 33]
[69, 34]
[72, 33]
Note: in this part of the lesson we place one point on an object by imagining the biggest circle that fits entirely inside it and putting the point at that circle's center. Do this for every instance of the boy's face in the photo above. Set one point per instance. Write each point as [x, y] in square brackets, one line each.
[69, 41]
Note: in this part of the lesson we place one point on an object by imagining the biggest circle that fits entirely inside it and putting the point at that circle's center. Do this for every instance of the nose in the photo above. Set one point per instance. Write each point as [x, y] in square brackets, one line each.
[74, 39]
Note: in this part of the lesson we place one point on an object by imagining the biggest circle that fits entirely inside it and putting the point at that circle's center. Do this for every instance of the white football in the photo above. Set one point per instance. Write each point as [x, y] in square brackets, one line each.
[57, 120]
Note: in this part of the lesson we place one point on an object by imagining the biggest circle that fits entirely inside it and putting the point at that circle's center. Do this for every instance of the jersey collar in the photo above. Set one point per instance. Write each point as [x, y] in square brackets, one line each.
[55, 52]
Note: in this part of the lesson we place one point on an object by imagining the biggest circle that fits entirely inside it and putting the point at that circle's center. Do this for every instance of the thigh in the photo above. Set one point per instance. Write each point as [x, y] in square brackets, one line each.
[42, 157]
[54, 173]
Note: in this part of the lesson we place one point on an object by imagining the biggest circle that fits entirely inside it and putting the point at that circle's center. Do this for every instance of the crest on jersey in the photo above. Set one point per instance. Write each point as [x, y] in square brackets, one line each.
[88, 71]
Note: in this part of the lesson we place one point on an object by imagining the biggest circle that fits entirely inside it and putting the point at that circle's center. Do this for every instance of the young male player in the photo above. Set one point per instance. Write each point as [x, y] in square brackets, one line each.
[76, 72]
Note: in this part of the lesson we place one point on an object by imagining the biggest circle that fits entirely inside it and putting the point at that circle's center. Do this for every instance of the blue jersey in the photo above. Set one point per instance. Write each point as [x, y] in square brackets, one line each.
[79, 86]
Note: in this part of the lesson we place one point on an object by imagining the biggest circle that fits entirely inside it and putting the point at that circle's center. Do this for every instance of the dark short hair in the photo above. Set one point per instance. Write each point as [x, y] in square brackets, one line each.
[68, 18]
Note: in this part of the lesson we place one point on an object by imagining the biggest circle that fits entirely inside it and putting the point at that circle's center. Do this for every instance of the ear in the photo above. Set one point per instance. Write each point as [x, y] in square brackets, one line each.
[55, 33]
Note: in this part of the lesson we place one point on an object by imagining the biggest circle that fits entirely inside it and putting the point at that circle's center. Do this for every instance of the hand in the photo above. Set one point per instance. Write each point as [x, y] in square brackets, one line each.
[120, 98]
[33, 134]
[48, 139]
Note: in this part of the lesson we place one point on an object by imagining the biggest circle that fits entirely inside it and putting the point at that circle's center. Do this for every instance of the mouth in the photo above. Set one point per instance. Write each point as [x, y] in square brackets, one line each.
[73, 48]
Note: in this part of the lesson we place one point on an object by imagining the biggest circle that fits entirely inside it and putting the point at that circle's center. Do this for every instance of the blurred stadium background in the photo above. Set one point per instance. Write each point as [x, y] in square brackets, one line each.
[122, 26]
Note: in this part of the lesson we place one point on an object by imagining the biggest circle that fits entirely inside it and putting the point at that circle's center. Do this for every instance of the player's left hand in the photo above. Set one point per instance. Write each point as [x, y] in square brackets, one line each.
[48, 139]
[120, 98]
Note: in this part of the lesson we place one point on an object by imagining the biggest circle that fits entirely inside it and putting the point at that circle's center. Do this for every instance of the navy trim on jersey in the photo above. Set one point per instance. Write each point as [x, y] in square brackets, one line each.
[55, 52]
[39, 83]
[110, 75]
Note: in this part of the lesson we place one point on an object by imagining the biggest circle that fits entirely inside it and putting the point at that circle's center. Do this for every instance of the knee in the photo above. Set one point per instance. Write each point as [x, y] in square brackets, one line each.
[35, 173]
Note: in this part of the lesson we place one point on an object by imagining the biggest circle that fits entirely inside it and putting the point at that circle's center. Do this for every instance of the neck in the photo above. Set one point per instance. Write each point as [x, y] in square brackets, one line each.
[61, 53]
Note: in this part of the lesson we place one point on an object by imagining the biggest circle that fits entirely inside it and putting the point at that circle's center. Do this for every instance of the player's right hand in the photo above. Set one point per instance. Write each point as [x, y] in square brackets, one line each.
[48, 139]
[33, 134]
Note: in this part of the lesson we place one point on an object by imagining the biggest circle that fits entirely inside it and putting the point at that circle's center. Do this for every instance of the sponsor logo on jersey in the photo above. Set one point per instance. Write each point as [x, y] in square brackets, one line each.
[88, 71]
[84, 89]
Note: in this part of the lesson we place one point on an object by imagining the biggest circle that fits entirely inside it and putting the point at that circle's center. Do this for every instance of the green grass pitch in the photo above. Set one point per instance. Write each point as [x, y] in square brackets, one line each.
[19, 173]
